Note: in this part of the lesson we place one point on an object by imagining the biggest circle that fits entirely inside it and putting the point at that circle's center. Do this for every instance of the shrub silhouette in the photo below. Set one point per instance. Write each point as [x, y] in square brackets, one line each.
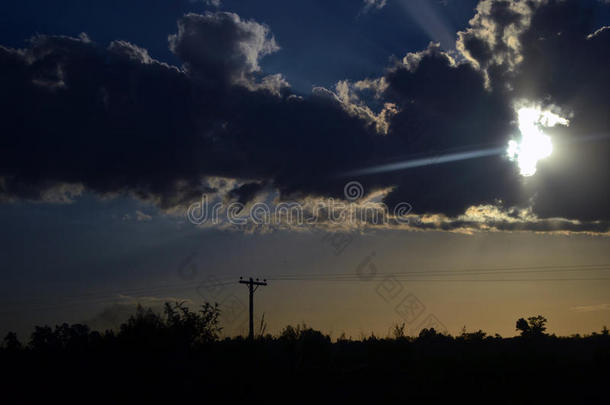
[309, 348]
[193, 328]
[177, 327]
[472, 336]
[399, 331]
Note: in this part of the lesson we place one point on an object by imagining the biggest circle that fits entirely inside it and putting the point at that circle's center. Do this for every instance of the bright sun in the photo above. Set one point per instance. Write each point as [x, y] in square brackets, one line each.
[534, 143]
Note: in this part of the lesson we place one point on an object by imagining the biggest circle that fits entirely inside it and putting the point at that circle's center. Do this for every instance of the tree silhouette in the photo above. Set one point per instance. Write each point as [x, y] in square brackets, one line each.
[179, 349]
[534, 326]
[43, 339]
[11, 342]
[523, 326]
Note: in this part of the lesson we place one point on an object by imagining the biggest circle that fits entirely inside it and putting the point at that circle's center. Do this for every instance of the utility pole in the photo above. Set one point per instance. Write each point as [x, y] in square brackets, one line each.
[251, 288]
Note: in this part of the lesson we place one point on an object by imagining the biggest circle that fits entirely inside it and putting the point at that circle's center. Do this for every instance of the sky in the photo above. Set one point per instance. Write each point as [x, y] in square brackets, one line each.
[434, 163]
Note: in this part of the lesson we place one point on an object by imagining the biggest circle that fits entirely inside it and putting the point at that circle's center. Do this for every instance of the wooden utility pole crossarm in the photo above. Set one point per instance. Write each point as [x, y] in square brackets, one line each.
[252, 286]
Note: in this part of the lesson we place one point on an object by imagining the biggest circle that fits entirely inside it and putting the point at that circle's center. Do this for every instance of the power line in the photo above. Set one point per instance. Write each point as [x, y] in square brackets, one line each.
[437, 276]
[500, 270]
[454, 280]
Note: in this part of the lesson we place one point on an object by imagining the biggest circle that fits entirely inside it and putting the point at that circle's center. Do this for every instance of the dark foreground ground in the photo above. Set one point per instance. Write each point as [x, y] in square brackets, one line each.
[162, 362]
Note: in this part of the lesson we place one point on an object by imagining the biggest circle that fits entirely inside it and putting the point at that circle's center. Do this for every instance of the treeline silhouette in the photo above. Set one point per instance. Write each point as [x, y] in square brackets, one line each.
[179, 354]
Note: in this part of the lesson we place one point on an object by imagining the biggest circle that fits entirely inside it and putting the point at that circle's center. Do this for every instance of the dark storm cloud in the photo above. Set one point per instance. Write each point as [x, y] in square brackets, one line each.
[78, 116]
[117, 121]
[444, 106]
[556, 53]
[565, 61]
[220, 48]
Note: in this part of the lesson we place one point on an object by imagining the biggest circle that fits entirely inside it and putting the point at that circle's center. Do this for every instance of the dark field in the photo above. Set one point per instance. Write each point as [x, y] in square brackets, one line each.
[179, 355]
